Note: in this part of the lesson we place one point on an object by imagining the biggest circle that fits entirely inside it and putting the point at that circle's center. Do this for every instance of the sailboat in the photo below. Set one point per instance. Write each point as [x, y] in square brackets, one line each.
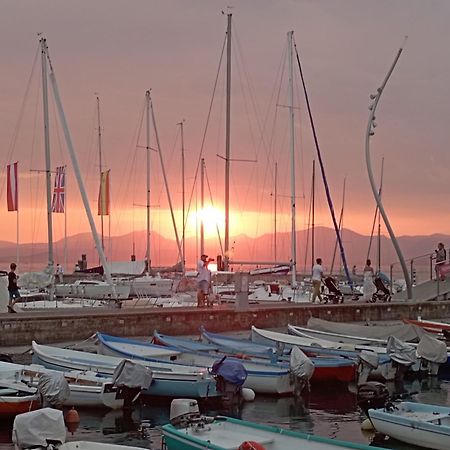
[108, 288]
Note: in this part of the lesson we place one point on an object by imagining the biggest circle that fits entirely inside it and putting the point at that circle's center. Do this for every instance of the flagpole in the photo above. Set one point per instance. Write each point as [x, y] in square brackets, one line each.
[17, 234]
[65, 218]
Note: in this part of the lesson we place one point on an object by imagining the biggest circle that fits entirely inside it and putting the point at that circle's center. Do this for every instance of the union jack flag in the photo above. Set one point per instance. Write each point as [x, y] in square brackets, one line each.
[59, 194]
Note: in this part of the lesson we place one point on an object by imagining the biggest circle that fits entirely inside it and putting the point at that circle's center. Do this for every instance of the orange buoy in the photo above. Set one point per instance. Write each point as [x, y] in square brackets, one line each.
[72, 416]
[251, 445]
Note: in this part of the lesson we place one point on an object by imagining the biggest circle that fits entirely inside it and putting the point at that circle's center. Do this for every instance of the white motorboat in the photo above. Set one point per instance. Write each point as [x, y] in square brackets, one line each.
[415, 423]
[92, 289]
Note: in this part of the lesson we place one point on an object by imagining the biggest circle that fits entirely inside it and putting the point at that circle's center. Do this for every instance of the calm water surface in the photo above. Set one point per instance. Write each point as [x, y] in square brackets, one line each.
[332, 412]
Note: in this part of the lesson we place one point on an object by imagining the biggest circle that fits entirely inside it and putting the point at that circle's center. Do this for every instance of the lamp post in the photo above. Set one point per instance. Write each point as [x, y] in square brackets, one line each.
[369, 133]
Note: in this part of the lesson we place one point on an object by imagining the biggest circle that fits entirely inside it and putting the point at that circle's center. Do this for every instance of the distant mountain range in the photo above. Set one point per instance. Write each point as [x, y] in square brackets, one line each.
[164, 251]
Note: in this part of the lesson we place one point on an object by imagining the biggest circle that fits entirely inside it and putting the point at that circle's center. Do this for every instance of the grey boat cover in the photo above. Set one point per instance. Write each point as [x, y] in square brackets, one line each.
[432, 349]
[132, 375]
[404, 332]
[53, 388]
[36, 428]
[401, 352]
[300, 365]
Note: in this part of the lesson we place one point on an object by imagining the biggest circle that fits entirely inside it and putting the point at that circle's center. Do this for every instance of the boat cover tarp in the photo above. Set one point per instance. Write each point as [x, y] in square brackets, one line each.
[132, 375]
[401, 352]
[232, 371]
[300, 365]
[36, 280]
[432, 349]
[406, 333]
[54, 388]
[36, 428]
[370, 358]
[127, 267]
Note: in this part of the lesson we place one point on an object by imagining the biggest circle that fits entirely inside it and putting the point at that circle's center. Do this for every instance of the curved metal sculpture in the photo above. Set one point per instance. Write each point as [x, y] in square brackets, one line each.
[370, 132]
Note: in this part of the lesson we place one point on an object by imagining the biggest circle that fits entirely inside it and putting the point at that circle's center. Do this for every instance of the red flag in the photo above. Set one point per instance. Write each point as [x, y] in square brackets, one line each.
[12, 192]
[59, 194]
[103, 195]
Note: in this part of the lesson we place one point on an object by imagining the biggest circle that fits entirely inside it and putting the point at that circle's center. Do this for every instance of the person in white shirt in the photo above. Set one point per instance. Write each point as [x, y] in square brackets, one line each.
[59, 273]
[317, 275]
[203, 280]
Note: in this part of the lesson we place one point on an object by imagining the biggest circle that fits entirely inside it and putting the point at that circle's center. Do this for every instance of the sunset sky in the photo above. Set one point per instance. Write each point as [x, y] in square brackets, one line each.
[120, 48]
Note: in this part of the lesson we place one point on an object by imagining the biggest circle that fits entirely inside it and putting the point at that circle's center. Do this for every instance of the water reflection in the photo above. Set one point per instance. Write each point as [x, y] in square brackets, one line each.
[331, 412]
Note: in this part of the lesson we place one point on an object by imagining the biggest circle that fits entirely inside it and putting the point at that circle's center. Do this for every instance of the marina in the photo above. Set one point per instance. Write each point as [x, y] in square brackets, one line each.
[210, 296]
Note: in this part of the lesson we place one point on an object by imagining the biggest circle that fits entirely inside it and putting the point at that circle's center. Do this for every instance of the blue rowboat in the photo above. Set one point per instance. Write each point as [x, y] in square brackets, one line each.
[169, 380]
[262, 376]
[326, 369]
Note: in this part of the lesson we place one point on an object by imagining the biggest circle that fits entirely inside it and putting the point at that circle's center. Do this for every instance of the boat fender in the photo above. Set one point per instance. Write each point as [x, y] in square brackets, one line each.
[367, 425]
[248, 394]
[72, 416]
[251, 445]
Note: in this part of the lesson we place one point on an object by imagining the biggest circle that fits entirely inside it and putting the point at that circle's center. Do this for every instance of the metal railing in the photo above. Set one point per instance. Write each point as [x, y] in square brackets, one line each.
[420, 269]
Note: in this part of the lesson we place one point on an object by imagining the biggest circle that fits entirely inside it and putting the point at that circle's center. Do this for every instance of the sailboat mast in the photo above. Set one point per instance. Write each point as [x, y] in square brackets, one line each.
[48, 174]
[183, 258]
[275, 214]
[202, 205]
[313, 211]
[147, 146]
[100, 163]
[227, 148]
[78, 176]
[379, 220]
[292, 145]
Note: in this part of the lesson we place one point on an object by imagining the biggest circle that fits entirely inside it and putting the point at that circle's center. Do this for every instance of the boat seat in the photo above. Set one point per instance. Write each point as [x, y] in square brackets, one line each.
[438, 417]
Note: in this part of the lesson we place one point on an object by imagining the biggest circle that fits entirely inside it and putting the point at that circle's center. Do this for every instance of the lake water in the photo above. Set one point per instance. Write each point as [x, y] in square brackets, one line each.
[332, 412]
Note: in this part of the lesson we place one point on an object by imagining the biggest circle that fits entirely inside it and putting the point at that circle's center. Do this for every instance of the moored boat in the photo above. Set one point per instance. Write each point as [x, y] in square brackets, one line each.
[17, 398]
[262, 377]
[169, 380]
[415, 423]
[189, 431]
[429, 325]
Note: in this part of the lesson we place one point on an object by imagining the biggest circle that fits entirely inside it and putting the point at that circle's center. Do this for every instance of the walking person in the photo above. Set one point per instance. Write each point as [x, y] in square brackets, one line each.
[368, 286]
[13, 289]
[203, 280]
[317, 275]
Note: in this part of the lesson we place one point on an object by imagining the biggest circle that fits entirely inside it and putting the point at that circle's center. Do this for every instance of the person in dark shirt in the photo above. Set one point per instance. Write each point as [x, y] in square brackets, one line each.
[12, 286]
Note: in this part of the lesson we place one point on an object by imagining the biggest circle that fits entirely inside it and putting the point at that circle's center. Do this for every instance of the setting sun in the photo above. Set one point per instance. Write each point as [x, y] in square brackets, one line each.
[212, 219]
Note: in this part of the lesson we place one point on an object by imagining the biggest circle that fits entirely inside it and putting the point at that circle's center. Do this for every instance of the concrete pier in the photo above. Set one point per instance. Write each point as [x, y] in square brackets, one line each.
[76, 325]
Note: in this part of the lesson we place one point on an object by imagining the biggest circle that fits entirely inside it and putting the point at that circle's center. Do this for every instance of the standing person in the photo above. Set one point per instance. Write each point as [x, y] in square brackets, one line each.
[59, 273]
[203, 280]
[368, 286]
[317, 275]
[441, 257]
[12, 287]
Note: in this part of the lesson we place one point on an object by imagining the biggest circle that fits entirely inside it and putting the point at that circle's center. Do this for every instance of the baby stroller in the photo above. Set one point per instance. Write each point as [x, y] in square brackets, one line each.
[382, 294]
[334, 295]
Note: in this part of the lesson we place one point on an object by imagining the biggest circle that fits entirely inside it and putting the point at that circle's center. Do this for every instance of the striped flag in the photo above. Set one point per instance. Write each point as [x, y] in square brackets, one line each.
[103, 195]
[59, 191]
[12, 191]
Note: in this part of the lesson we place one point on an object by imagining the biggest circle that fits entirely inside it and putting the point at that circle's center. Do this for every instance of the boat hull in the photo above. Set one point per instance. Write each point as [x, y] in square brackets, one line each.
[11, 406]
[228, 433]
[418, 424]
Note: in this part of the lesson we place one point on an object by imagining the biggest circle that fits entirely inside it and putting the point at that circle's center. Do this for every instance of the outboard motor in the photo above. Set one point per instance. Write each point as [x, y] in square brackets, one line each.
[43, 428]
[403, 356]
[54, 389]
[367, 362]
[183, 411]
[372, 395]
[432, 354]
[302, 370]
[131, 378]
[230, 376]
